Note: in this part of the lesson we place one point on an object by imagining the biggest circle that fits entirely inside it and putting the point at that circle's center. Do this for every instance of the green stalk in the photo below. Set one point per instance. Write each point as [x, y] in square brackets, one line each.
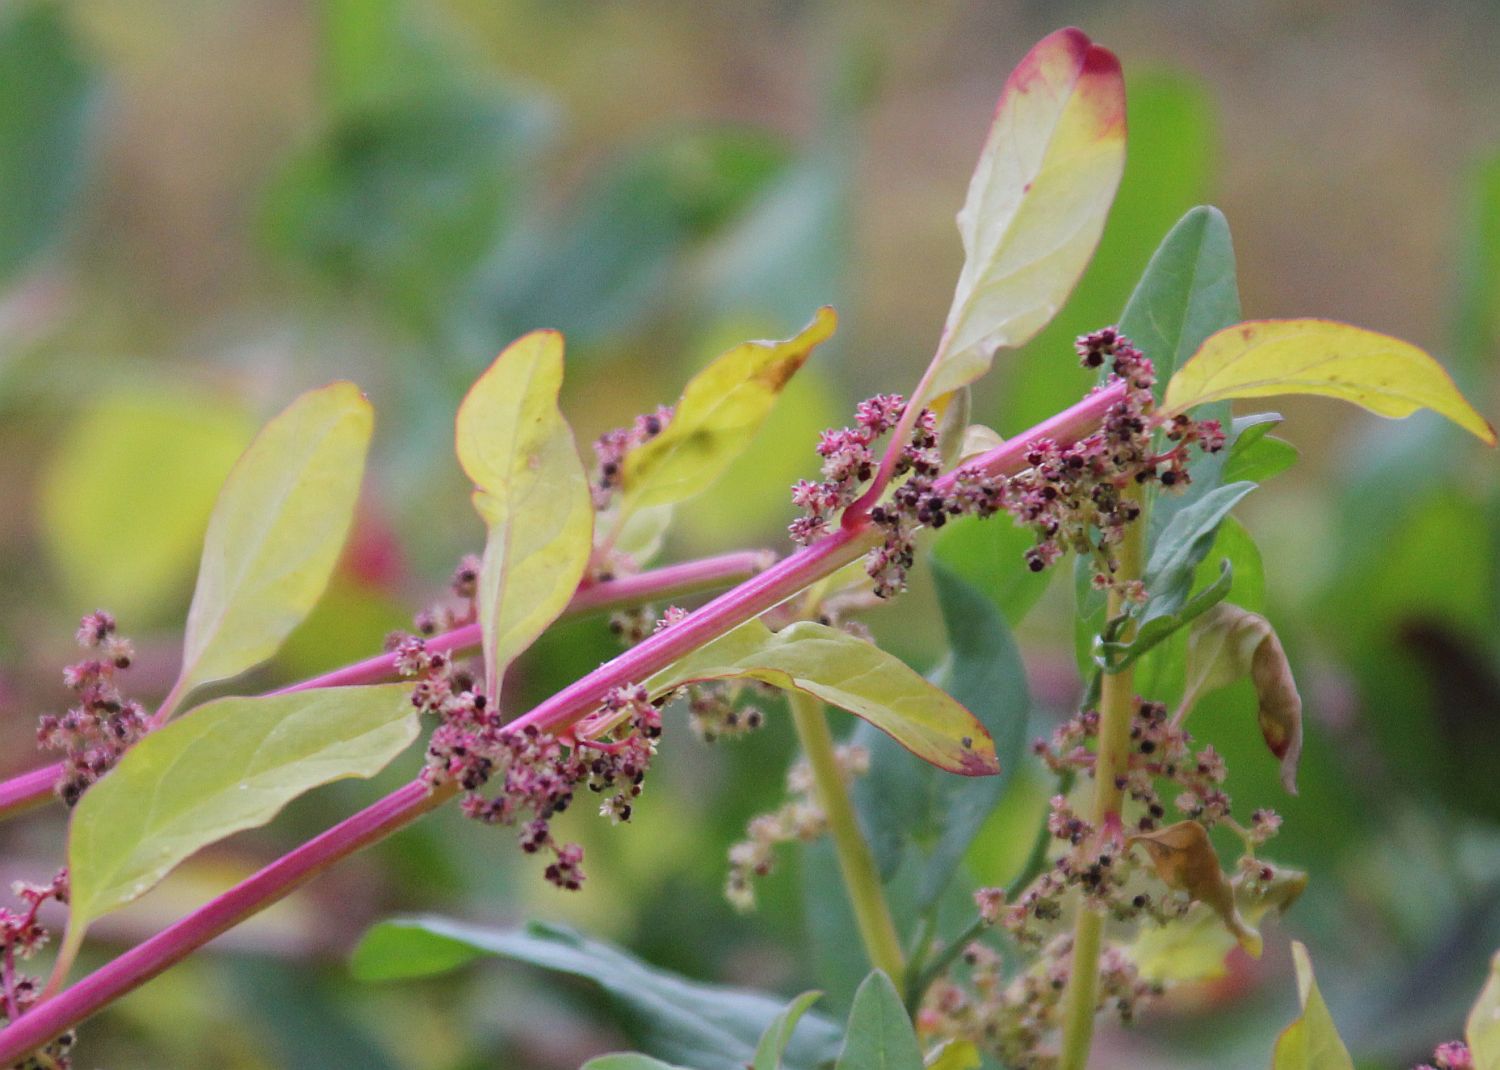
[1116, 707]
[877, 929]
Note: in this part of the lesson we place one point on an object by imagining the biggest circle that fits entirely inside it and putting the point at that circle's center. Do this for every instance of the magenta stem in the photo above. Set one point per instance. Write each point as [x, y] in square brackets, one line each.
[756, 595]
[170, 946]
[33, 788]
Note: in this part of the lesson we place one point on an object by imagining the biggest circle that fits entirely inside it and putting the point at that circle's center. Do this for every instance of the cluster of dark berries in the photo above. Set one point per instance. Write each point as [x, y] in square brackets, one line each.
[612, 447]
[1454, 1055]
[1075, 497]
[94, 734]
[800, 818]
[1015, 1019]
[22, 936]
[465, 587]
[538, 773]
[849, 462]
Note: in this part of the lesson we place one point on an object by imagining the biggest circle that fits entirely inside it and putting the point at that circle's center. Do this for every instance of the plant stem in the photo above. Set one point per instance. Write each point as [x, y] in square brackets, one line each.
[271, 884]
[143, 962]
[877, 929]
[31, 789]
[1116, 708]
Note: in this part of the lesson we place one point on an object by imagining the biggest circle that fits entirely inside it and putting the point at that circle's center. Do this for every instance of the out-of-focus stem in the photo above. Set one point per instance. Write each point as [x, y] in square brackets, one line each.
[1116, 708]
[877, 928]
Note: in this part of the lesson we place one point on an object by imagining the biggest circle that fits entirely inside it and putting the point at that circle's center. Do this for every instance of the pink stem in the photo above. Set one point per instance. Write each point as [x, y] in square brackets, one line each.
[31, 789]
[174, 943]
[752, 597]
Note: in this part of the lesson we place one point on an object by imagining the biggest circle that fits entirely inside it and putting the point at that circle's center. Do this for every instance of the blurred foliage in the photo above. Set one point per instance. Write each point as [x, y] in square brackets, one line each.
[209, 210]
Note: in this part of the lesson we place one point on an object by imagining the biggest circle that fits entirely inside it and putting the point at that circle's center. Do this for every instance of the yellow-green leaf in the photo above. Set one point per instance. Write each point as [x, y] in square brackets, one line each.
[849, 673]
[1311, 1042]
[720, 410]
[276, 533]
[954, 1055]
[232, 765]
[126, 497]
[1262, 358]
[1483, 1031]
[1036, 204]
[533, 493]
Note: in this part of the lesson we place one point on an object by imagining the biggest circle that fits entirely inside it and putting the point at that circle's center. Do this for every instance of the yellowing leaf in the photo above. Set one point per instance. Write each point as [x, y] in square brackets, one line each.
[1036, 204]
[720, 410]
[955, 1055]
[532, 492]
[1185, 860]
[126, 497]
[1262, 358]
[851, 674]
[1194, 947]
[1311, 1042]
[1483, 1030]
[232, 765]
[276, 533]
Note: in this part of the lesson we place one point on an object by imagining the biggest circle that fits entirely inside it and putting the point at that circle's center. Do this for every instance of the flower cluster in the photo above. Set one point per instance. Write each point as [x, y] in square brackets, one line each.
[849, 462]
[465, 587]
[799, 818]
[612, 447]
[538, 773]
[1454, 1055]
[1076, 497]
[1014, 1020]
[94, 734]
[22, 936]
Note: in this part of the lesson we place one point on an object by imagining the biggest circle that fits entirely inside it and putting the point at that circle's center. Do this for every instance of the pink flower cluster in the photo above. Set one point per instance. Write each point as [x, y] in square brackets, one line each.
[94, 734]
[22, 936]
[1454, 1055]
[849, 462]
[612, 447]
[538, 773]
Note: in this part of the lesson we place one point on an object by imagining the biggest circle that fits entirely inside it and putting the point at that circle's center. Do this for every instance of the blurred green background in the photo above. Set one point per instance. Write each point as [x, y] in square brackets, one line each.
[208, 207]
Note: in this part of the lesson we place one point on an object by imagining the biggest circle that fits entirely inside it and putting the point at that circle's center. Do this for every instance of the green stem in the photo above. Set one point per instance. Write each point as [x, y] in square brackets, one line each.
[877, 929]
[1116, 707]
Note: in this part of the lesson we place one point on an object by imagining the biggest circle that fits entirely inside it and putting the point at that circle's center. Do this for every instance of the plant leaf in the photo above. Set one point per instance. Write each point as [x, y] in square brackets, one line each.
[1036, 204]
[627, 1061]
[720, 410]
[849, 673]
[232, 765]
[955, 1055]
[904, 799]
[1262, 358]
[276, 533]
[880, 1035]
[533, 493]
[778, 1034]
[1185, 860]
[1483, 1028]
[1183, 543]
[705, 1026]
[1311, 1042]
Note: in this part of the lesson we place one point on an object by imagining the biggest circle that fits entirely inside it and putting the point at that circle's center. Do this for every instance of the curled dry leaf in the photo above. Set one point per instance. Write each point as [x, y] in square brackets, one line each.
[1185, 860]
[1229, 643]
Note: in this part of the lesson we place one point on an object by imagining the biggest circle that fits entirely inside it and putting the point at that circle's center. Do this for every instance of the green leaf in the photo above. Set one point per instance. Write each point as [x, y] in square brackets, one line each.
[46, 89]
[1264, 358]
[1159, 626]
[232, 765]
[627, 1061]
[705, 1026]
[904, 799]
[1188, 291]
[1254, 456]
[1483, 1028]
[276, 533]
[124, 523]
[1311, 1042]
[849, 673]
[880, 1035]
[1036, 204]
[717, 417]
[773, 1042]
[533, 493]
[1183, 543]
[988, 555]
